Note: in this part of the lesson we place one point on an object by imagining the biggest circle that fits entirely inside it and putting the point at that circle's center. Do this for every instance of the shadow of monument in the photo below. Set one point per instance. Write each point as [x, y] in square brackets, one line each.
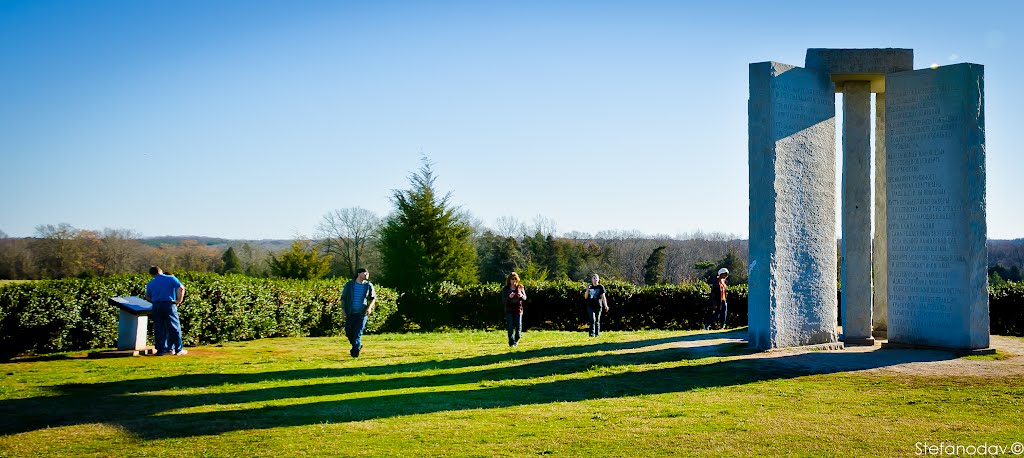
[146, 415]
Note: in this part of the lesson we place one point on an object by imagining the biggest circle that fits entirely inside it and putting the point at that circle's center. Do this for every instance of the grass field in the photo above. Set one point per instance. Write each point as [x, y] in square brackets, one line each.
[467, 394]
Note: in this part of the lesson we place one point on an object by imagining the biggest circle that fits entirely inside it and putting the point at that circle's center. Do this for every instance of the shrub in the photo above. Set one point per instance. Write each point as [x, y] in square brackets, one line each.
[1006, 309]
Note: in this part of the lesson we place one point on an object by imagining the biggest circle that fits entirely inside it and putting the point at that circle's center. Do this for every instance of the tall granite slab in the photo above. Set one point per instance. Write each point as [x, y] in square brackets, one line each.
[879, 248]
[856, 226]
[935, 175]
[792, 276]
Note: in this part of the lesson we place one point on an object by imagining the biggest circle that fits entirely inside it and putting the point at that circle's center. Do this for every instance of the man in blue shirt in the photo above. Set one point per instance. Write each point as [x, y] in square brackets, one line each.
[357, 299]
[166, 293]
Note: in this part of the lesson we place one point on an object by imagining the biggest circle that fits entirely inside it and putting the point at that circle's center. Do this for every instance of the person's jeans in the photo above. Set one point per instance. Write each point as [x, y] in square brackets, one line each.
[719, 313]
[166, 327]
[515, 327]
[594, 315]
[354, 326]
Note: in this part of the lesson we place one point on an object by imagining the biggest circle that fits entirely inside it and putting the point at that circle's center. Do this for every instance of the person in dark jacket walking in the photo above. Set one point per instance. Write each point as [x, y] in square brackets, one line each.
[357, 299]
[597, 301]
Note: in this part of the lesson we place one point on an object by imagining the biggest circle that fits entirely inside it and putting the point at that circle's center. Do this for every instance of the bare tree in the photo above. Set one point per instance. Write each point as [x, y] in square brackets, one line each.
[509, 226]
[253, 259]
[16, 260]
[120, 252]
[629, 250]
[544, 225]
[349, 234]
[56, 250]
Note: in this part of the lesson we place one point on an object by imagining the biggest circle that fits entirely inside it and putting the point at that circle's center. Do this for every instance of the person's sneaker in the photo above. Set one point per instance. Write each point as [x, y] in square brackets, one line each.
[355, 351]
[181, 352]
[161, 353]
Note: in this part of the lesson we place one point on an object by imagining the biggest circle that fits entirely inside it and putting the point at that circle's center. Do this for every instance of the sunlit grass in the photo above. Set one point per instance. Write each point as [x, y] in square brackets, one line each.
[468, 394]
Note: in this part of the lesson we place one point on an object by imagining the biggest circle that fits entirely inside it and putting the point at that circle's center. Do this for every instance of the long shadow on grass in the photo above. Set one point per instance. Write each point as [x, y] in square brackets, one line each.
[597, 376]
[108, 401]
[207, 380]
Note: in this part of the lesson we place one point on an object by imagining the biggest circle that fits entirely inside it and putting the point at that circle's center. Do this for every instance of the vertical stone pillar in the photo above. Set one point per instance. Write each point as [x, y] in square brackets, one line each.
[879, 255]
[935, 180]
[856, 231]
[792, 283]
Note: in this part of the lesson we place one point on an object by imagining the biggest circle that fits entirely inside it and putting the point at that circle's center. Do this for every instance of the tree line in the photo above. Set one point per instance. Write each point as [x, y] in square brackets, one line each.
[426, 239]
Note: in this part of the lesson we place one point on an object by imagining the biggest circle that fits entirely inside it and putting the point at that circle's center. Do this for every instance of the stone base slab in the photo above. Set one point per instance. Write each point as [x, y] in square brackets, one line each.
[956, 351]
[121, 353]
[859, 341]
[815, 347]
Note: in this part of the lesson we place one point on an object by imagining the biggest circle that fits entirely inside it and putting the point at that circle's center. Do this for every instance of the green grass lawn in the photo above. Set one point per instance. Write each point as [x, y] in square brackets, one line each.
[626, 394]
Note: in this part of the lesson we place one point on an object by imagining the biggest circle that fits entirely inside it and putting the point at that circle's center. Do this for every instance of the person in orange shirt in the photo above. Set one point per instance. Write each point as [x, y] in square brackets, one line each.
[719, 308]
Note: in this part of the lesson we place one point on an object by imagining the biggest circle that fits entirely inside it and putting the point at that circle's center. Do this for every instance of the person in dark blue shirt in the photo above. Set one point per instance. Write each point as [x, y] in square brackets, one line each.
[166, 293]
[357, 299]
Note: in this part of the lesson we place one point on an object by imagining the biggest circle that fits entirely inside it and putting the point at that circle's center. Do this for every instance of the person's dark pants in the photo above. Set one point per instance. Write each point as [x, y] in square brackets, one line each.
[594, 315]
[354, 326]
[515, 327]
[720, 313]
[166, 327]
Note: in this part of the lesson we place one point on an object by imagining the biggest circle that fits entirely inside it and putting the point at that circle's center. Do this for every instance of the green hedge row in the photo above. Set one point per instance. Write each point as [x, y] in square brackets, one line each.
[73, 314]
[1006, 309]
[559, 305]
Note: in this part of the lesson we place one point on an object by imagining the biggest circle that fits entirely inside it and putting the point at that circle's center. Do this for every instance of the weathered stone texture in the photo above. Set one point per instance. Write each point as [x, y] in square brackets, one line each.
[792, 295]
[869, 61]
[935, 175]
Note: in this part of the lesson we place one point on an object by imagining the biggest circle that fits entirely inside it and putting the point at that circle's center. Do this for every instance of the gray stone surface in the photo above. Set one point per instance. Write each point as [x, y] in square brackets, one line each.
[864, 61]
[860, 64]
[856, 230]
[792, 276]
[935, 175]
[879, 253]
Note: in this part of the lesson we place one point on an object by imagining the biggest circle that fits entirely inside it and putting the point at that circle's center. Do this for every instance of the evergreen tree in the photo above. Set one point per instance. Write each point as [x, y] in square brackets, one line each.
[425, 241]
[557, 261]
[654, 270]
[232, 265]
[497, 257]
[707, 269]
[737, 268]
[301, 262]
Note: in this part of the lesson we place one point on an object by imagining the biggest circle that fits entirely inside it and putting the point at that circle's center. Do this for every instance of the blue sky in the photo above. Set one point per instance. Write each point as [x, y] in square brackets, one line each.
[252, 119]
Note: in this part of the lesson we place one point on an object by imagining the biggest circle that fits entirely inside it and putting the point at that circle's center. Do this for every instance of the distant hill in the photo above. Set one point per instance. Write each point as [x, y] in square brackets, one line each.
[1007, 253]
[269, 244]
[177, 239]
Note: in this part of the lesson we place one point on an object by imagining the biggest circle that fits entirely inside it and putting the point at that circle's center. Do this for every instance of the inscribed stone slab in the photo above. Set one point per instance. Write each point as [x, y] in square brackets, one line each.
[792, 278]
[935, 175]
